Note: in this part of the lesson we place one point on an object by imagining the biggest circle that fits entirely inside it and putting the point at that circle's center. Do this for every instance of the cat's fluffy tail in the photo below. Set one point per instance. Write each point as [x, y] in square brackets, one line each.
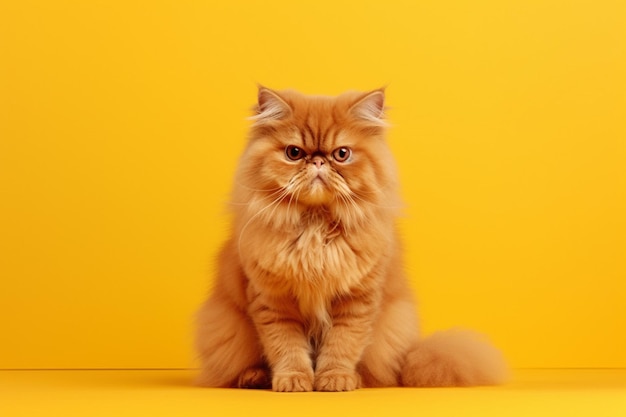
[454, 358]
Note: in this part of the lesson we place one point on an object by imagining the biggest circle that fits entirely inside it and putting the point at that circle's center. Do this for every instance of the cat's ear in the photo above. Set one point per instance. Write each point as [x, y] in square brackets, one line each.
[371, 107]
[270, 106]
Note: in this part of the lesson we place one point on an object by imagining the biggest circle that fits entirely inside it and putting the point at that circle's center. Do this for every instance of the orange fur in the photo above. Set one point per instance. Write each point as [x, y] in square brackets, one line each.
[311, 292]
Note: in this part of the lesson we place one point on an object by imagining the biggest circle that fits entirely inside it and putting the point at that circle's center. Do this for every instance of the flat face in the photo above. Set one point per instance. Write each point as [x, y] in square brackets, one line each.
[121, 126]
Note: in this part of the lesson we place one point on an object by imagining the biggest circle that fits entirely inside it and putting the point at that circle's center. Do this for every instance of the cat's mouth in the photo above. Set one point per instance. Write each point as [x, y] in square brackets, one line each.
[318, 184]
[319, 179]
[318, 190]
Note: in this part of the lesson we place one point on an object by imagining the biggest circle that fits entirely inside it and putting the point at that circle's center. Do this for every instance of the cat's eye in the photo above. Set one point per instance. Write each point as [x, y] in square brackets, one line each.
[342, 154]
[294, 153]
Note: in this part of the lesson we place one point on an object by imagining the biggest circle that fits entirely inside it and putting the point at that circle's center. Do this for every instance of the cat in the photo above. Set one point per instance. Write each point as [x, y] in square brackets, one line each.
[311, 292]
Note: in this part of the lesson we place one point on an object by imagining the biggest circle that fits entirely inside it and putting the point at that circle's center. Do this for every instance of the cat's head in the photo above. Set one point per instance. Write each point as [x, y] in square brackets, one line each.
[317, 151]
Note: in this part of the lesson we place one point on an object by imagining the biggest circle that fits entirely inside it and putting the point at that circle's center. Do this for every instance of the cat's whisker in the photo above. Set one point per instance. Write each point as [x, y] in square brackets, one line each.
[261, 190]
[377, 190]
[291, 198]
[342, 196]
[268, 196]
[355, 195]
[351, 208]
[356, 208]
[275, 202]
[298, 191]
[294, 186]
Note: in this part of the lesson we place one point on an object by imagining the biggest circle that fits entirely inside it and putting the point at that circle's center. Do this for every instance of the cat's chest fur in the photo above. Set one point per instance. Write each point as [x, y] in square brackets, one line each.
[315, 260]
[315, 232]
[315, 250]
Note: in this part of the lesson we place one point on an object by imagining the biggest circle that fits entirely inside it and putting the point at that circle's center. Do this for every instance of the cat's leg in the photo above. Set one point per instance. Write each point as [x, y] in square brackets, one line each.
[285, 345]
[343, 344]
[395, 332]
[228, 346]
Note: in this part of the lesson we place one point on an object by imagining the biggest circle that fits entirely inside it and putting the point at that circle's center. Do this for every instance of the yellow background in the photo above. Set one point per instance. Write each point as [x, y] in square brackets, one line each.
[121, 124]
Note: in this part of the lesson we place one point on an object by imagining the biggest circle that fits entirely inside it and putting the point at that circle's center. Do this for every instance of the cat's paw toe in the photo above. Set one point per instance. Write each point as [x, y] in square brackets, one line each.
[292, 382]
[255, 378]
[337, 381]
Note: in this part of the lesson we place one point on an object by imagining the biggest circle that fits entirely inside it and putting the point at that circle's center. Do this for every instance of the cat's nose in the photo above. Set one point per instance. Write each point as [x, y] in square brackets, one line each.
[318, 161]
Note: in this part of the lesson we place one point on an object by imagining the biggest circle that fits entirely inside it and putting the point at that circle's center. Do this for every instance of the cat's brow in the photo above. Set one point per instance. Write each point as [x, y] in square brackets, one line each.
[315, 137]
[311, 133]
[303, 135]
[325, 131]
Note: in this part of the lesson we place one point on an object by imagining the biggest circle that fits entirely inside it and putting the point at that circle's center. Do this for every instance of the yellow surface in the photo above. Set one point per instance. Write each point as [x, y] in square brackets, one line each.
[167, 393]
[121, 123]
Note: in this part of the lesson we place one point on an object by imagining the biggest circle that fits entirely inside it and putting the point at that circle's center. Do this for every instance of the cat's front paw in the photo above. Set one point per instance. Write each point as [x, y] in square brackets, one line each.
[337, 380]
[292, 382]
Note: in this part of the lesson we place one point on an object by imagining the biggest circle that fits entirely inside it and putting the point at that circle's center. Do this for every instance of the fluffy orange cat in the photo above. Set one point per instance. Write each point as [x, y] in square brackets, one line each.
[311, 292]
